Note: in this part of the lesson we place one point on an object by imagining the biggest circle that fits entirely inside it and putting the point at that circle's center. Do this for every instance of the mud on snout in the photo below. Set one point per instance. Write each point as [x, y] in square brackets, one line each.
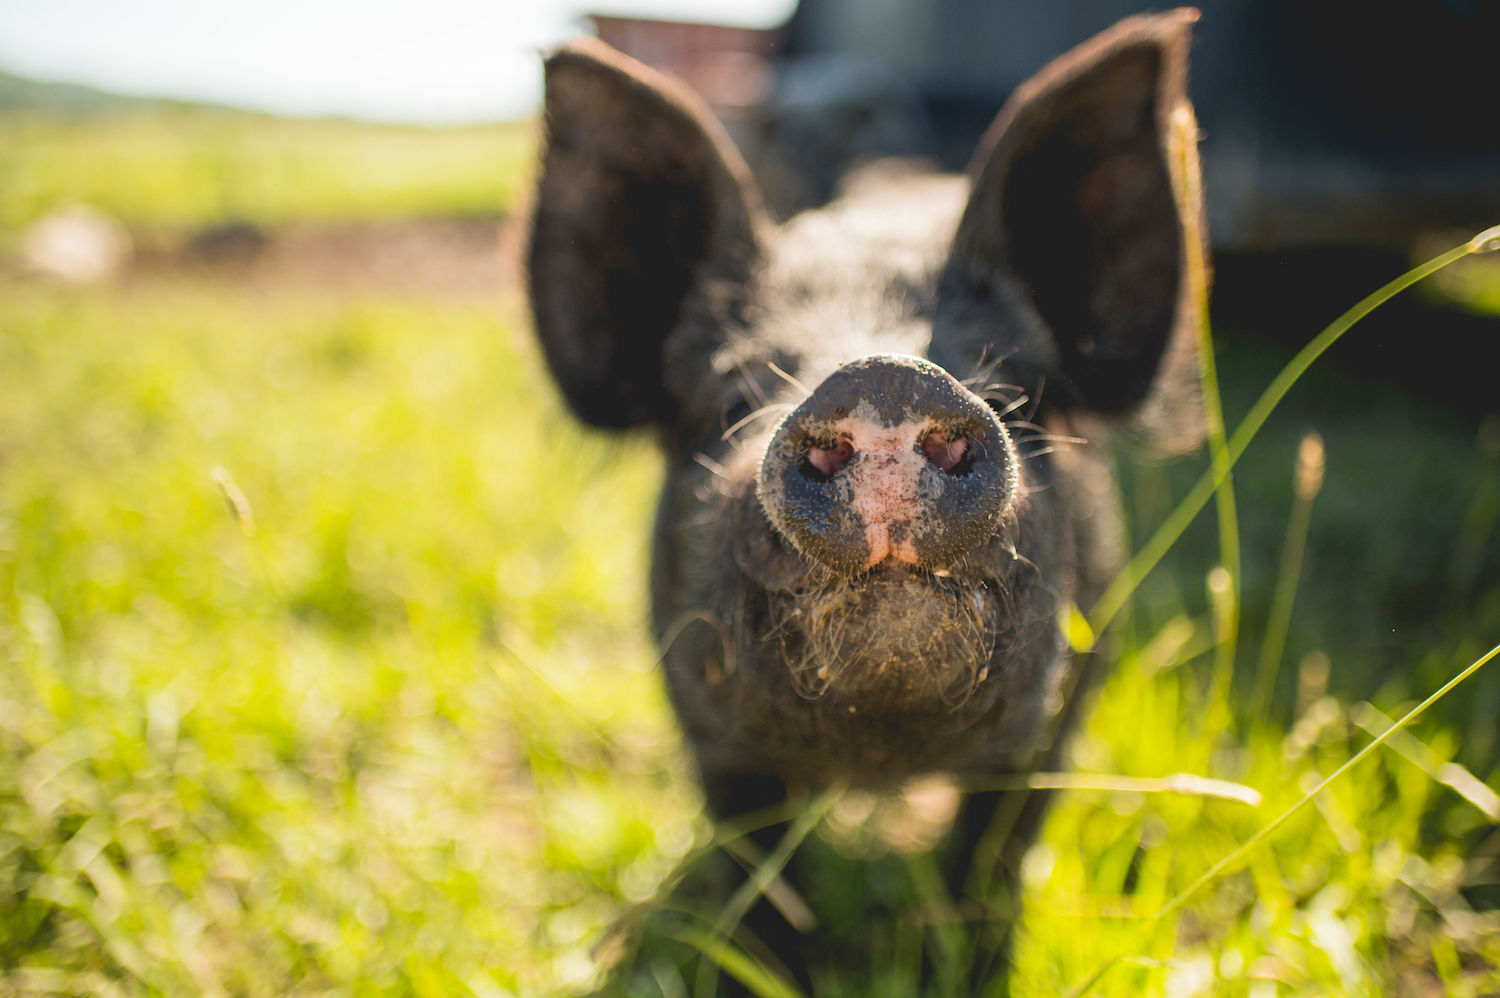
[890, 639]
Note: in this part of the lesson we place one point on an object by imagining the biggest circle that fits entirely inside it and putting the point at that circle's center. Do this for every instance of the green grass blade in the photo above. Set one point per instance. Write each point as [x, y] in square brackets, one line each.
[755, 885]
[737, 964]
[1195, 273]
[1309, 477]
[1151, 553]
[769, 869]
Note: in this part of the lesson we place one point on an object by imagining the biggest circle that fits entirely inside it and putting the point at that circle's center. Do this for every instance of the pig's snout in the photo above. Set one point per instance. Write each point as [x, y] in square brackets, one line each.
[890, 458]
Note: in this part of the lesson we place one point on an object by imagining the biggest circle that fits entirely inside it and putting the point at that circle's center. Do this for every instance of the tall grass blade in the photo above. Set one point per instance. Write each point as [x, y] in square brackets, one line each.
[1185, 784]
[755, 885]
[946, 933]
[1184, 158]
[243, 514]
[1087, 984]
[1308, 482]
[1450, 774]
[1155, 549]
[735, 962]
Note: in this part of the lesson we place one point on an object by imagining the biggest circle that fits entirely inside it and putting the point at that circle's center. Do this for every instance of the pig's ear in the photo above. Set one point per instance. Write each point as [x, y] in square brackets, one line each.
[1084, 214]
[642, 204]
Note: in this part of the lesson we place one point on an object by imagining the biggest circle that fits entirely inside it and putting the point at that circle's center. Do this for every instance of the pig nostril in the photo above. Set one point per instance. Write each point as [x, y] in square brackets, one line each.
[951, 455]
[826, 462]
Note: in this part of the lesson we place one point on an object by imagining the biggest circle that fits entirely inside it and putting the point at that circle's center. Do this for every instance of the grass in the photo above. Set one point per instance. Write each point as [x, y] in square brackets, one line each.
[323, 667]
[354, 739]
[184, 166]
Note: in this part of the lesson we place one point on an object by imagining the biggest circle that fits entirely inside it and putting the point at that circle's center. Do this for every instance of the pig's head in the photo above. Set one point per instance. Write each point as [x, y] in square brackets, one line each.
[883, 490]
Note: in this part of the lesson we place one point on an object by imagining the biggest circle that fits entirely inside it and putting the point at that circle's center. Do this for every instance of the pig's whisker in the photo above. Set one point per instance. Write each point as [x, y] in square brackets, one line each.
[760, 413]
[713, 466]
[981, 374]
[681, 623]
[751, 385]
[1056, 438]
[986, 369]
[1010, 406]
[1036, 400]
[789, 379]
[1019, 558]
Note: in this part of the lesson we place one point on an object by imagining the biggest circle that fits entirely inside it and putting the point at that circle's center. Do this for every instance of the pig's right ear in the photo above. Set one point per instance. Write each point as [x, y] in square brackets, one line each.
[1085, 224]
[641, 205]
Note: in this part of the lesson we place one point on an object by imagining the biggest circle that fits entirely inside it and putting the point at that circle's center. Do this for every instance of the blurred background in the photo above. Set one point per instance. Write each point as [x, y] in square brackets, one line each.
[323, 657]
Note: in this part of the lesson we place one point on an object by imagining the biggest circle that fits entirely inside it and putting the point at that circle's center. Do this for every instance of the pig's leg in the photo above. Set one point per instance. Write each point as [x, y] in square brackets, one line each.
[991, 834]
[993, 830]
[737, 796]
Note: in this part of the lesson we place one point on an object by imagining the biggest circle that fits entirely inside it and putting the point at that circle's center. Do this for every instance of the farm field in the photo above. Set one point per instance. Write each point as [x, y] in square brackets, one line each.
[324, 667]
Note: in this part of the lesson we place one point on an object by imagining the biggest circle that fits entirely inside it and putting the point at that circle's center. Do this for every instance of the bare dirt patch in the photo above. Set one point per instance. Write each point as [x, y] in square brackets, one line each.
[437, 257]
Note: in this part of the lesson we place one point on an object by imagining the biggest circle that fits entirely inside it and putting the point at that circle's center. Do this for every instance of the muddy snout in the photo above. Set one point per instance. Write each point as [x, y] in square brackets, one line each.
[889, 459]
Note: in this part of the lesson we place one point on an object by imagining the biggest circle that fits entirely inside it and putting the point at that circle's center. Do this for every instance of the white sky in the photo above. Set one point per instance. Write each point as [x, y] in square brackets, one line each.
[420, 60]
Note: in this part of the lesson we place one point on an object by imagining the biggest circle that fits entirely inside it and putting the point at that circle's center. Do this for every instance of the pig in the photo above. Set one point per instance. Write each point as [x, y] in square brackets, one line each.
[884, 420]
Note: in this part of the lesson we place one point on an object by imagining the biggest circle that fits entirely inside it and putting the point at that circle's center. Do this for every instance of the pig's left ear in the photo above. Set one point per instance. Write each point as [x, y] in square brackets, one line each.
[642, 205]
[1084, 222]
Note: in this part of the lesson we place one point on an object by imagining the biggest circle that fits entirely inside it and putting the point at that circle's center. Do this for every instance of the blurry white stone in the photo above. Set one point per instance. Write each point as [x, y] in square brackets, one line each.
[76, 244]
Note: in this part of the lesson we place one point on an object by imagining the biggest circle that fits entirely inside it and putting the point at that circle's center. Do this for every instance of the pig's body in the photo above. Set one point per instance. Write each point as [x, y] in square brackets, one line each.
[885, 490]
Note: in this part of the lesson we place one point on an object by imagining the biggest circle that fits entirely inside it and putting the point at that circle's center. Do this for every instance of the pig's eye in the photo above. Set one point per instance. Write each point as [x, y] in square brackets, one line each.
[823, 462]
[955, 456]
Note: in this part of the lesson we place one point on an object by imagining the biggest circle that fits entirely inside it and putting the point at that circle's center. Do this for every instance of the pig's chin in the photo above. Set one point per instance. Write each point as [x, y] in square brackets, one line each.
[894, 639]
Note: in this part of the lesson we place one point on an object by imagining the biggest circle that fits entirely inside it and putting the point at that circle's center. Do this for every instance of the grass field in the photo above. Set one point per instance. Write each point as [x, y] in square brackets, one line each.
[178, 167]
[323, 666]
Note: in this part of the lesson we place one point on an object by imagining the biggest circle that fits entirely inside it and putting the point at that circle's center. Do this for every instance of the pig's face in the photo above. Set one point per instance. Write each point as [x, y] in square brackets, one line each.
[852, 569]
[881, 495]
